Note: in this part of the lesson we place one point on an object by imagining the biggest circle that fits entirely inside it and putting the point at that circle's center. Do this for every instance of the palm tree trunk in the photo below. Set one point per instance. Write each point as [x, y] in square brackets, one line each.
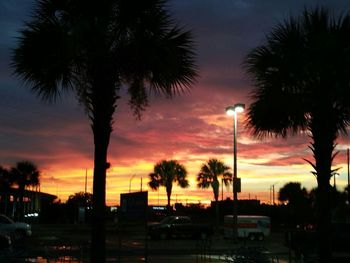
[14, 205]
[323, 146]
[98, 235]
[324, 221]
[20, 213]
[99, 200]
[168, 193]
[216, 187]
[103, 108]
[217, 213]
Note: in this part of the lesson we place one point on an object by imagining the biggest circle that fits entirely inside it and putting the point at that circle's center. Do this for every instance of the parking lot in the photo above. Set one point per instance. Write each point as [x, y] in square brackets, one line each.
[70, 243]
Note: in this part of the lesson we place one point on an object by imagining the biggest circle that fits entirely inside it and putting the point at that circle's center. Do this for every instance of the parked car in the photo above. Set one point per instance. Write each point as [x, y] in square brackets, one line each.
[179, 227]
[16, 230]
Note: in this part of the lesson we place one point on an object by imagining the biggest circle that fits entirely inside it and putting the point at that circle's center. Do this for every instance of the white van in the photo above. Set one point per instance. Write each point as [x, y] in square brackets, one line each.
[252, 227]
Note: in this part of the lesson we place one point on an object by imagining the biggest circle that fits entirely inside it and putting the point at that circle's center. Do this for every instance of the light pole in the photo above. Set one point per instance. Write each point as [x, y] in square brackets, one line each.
[272, 192]
[334, 180]
[232, 111]
[348, 176]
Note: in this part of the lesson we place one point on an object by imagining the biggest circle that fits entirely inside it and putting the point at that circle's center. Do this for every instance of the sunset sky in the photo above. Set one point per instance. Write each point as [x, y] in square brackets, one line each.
[190, 128]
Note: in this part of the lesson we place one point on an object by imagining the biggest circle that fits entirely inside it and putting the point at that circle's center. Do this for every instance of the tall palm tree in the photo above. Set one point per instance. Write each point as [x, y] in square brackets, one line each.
[302, 80]
[209, 175]
[96, 48]
[24, 174]
[165, 173]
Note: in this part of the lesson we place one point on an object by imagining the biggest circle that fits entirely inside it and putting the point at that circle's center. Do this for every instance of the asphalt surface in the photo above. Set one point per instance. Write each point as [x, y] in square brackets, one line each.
[70, 243]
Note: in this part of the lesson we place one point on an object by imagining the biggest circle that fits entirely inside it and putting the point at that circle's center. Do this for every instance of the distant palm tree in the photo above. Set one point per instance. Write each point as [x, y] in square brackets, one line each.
[166, 173]
[209, 177]
[96, 48]
[297, 201]
[302, 82]
[210, 173]
[5, 186]
[24, 174]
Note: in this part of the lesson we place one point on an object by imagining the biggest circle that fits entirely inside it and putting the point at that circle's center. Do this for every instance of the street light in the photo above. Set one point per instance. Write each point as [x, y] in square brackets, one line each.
[232, 111]
[334, 180]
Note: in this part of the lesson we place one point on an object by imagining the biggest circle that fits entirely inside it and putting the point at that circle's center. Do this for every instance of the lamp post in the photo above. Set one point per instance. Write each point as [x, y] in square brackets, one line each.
[232, 111]
[348, 176]
[334, 180]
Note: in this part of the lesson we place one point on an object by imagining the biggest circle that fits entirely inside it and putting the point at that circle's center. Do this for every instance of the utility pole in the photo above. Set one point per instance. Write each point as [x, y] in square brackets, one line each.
[272, 188]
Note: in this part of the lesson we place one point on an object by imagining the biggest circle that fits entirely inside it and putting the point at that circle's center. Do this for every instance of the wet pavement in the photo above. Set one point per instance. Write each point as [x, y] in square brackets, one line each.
[61, 243]
[70, 244]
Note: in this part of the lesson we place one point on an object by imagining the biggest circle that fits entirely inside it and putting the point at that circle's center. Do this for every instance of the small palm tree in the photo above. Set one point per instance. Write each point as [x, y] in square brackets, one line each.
[302, 80]
[298, 202]
[166, 173]
[24, 174]
[209, 177]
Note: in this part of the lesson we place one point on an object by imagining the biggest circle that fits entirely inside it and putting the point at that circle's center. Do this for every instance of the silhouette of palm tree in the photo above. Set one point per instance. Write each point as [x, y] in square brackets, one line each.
[165, 173]
[209, 176]
[96, 49]
[302, 85]
[24, 174]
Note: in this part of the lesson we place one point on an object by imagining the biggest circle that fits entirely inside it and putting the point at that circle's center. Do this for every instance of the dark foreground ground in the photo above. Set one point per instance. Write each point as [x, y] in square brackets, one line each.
[70, 243]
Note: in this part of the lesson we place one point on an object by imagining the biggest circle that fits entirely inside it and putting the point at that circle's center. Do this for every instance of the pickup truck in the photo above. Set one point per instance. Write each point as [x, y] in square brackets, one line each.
[179, 227]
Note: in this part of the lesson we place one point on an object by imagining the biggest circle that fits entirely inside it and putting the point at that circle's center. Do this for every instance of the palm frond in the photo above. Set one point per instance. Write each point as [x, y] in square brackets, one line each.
[153, 53]
[46, 54]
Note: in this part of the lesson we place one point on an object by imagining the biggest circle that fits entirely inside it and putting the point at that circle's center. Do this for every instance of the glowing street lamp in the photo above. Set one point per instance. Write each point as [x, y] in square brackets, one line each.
[232, 111]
